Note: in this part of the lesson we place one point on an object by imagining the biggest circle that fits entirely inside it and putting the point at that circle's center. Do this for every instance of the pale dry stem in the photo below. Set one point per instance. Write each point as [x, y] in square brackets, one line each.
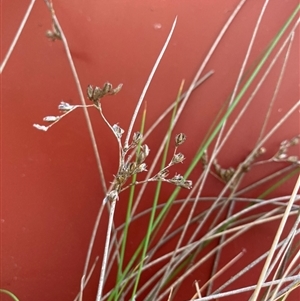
[17, 36]
[80, 92]
[245, 289]
[242, 70]
[262, 276]
[91, 132]
[278, 84]
[148, 83]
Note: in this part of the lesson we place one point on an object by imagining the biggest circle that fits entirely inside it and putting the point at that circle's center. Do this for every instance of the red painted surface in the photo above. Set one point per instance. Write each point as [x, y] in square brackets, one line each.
[50, 188]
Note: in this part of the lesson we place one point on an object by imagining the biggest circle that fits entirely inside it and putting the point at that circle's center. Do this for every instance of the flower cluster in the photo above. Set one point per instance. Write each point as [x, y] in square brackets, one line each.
[128, 169]
[138, 165]
[128, 165]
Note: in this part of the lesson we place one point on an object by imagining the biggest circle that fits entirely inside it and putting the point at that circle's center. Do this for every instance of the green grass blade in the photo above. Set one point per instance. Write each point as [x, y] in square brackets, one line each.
[229, 111]
[154, 223]
[146, 242]
[128, 214]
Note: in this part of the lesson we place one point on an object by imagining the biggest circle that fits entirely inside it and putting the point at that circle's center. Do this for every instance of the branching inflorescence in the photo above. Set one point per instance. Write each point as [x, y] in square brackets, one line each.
[127, 167]
[133, 153]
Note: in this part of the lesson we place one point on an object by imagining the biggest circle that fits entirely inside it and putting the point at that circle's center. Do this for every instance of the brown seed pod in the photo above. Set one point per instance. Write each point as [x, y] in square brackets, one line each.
[179, 139]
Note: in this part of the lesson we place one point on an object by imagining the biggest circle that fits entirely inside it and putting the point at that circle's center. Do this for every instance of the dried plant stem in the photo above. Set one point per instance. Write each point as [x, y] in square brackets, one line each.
[264, 180]
[170, 295]
[148, 83]
[85, 280]
[234, 229]
[239, 227]
[275, 242]
[240, 75]
[283, 253]
[207, 237]
[193, 246]
[170, 225]
[198, 294]
[111, 128]
[248, 267]
[246, 289]
[89, 252]
[243, 110]
[80, 92]
[218, 254]
[105, 254]
[16, 38]
[276, 201]
[220, 271]
[214, 153]
[277, 85]
[203, 259]
[92, 136]
[284, 293]
[250, 224]
[239, 169]
[293, 262]
[207, 58]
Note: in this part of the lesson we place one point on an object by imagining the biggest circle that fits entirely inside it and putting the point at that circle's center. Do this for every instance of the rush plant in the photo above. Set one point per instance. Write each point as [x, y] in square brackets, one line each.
[205, 233]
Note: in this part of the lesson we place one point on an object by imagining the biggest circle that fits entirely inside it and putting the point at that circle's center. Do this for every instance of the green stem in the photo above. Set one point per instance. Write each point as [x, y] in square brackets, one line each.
[146, 241]
[128, 215]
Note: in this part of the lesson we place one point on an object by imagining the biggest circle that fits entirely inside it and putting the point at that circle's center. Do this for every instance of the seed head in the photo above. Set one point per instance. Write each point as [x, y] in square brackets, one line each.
[107, 88]
[140, 168]
[186, 184]
[130, 168]
[162, 174]
[178, 180]
[144, 152]
[137, 137]
[118, 131]
[178, 158]
[179, 139]
[96, 93]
